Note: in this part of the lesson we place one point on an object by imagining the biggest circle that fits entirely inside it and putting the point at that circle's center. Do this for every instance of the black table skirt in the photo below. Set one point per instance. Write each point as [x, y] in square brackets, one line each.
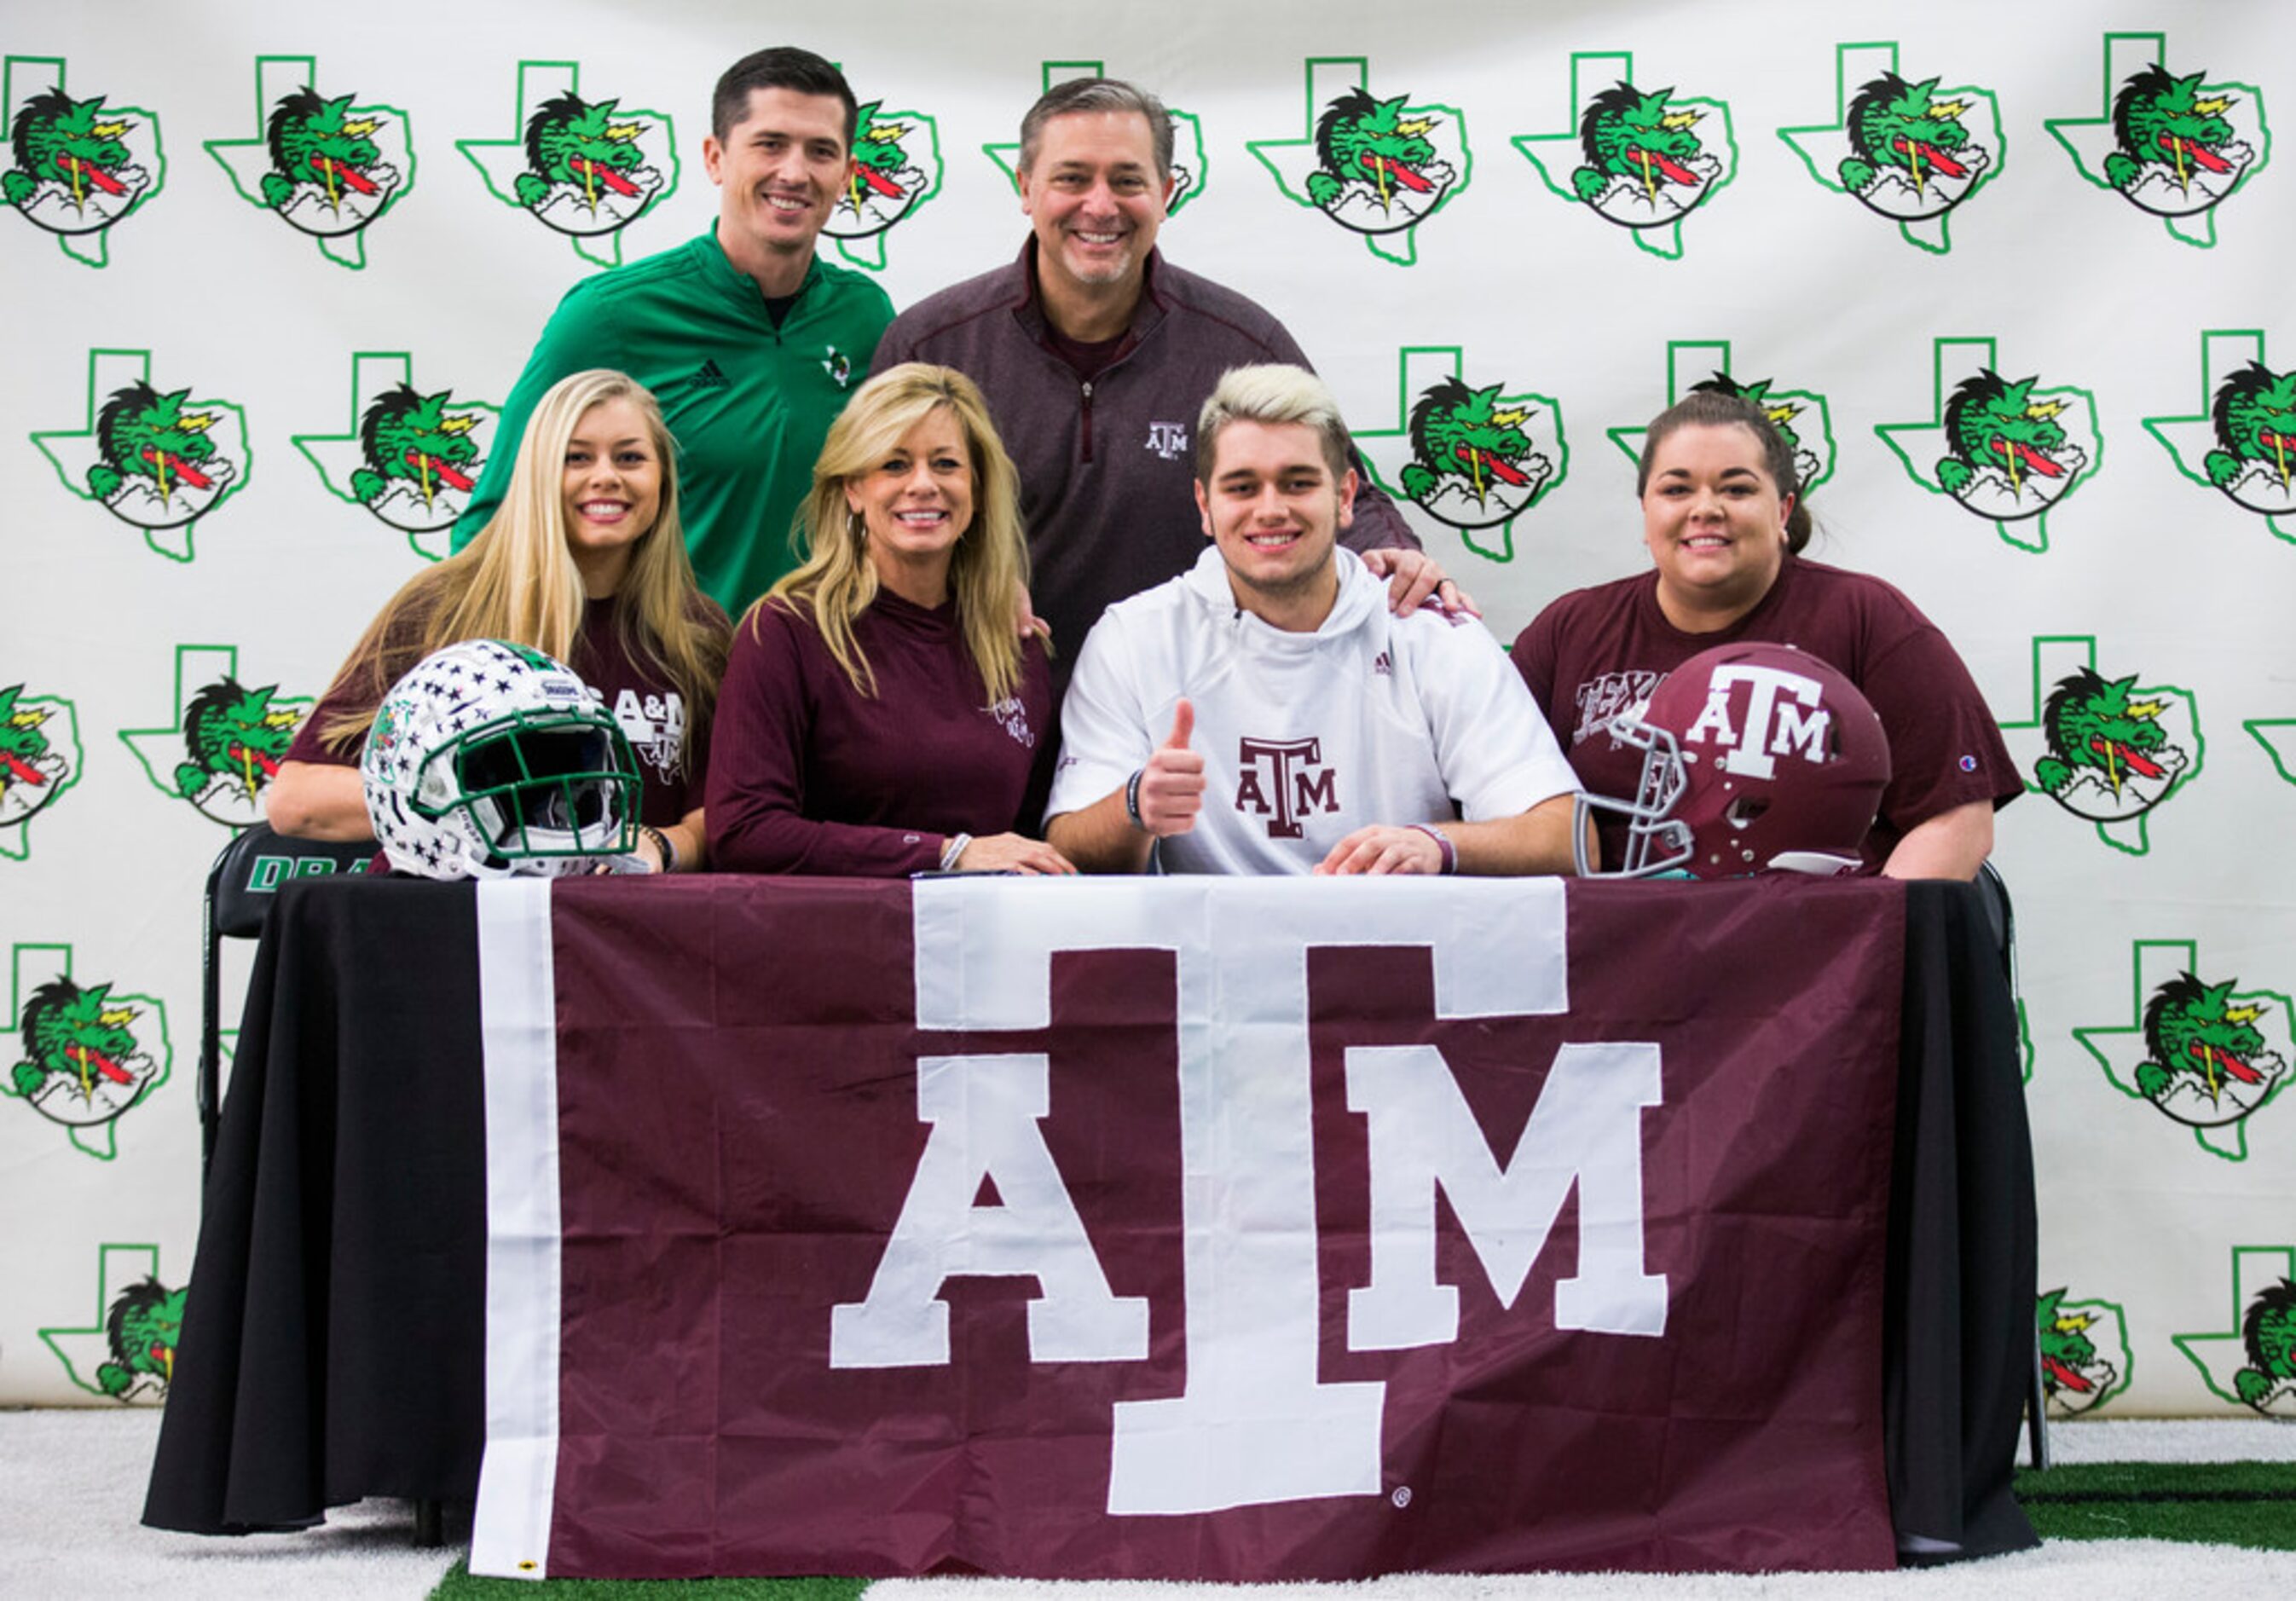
[333, 1340]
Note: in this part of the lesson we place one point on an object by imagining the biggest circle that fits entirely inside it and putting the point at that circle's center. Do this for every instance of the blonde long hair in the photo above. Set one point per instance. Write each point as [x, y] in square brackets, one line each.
[517, 580]
[837, 581]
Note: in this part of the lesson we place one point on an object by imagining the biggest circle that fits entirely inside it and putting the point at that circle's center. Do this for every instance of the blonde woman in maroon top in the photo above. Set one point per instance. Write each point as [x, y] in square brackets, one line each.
[881, 711]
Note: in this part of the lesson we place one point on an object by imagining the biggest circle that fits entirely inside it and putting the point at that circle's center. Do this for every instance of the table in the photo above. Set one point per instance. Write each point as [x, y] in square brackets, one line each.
[333, 1347]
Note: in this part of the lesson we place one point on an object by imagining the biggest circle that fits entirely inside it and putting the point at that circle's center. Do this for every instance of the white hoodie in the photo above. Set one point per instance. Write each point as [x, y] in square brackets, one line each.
[1306, 737]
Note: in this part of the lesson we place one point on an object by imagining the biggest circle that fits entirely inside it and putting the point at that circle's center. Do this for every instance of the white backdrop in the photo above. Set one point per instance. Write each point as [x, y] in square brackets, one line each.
[2162, 1234]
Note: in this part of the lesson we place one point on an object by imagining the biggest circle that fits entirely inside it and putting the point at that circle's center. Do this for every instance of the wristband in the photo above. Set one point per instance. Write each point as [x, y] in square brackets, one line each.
[954, 850]
[662, 843]
[1450, 851]
[1132, 798]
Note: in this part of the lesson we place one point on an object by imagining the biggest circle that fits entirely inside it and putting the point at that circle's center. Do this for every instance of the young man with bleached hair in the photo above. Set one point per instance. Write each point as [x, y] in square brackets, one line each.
[1264, 712]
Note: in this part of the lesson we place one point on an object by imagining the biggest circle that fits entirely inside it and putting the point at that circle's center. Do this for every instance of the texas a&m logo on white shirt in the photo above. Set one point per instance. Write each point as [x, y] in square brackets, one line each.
[1285, 780]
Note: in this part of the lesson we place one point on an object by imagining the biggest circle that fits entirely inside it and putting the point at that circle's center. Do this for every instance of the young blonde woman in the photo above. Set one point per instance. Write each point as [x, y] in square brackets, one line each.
[584, 561]
[881, 712]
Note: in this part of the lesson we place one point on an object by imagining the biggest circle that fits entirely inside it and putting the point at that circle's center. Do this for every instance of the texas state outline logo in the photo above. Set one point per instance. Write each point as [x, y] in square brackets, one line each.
[40, 758]
[1803, 417]
[158, 460]
[1376, 166]
[2004, 450]
[2203, 1051]
[409, 459]
[2242, 443]
[1473, 456]
[224, 747]
[2277, 735]
[1191, 168]
[2084, 1352]
[77, 168]
[1913, 152]
[1642, 160]
[328, 165]
[127, 1352]
[91, 1053]
[585, 168]
[2176, 146]
[2108, 750]
[897, 171]
[2253, 1363]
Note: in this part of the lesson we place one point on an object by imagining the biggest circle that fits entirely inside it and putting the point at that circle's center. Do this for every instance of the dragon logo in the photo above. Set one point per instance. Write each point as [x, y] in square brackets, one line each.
[2109, 758]
[233, 740]
[2254, 462]
[1377, 170]
[1644, 165]
[78, 165]
[1377, 166]
[410, 458]
[2176, 146]
[1810, 469]
[158, 465]
[2076, 1376]
[2268, 1335]
[2241, 440]
[2206, 1061]
[2108, 750]
[83, 1064]
[141, 1329]
[587, 172]
[39, 760]
[2011, 456]
[1911, 157]
[2007, 450]
[2205, 1053]
[1473, 463]
[329, 175]
[2177, 151]
[1474, 457]
[896, 168]
[583, 168]
[1911, 152]
[1643, 160]
[326, 166]
[422, 463]
[157, 460]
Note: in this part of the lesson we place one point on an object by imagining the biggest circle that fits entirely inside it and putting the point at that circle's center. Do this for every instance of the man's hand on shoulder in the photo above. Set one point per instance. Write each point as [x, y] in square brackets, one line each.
[1413, 577]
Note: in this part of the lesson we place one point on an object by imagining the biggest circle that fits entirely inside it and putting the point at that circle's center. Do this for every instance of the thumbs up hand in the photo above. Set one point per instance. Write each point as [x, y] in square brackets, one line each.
[1171, 786]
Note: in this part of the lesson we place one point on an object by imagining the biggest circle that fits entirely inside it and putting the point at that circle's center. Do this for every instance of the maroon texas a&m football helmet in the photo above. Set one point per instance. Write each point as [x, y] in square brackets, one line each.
[1754, 758]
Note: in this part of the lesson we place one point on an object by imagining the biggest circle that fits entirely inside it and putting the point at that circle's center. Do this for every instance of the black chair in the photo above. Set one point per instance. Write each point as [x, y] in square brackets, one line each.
[2002, 916]
[238, 897]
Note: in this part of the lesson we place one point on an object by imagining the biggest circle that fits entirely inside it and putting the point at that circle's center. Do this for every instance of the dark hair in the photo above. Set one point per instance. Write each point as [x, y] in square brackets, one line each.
[782, 67]
[1710, 409]
[1098, 95]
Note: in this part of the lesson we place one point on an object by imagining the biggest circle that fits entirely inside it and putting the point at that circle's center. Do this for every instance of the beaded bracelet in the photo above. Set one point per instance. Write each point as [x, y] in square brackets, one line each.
[662, 843]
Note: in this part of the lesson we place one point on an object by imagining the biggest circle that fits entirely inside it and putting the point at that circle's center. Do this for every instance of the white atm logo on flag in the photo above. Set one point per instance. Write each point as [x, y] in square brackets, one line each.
[1254, 1424]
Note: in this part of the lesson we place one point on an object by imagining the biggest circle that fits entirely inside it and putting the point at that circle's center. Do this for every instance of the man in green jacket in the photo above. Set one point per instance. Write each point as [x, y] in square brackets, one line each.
[750, 341]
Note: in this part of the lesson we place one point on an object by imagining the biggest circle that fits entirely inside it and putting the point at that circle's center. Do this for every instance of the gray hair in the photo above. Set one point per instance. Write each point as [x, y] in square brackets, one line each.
[1098, 95]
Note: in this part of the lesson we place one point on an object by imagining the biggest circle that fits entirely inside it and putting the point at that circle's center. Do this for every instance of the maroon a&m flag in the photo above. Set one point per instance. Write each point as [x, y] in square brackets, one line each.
[1185, 1228]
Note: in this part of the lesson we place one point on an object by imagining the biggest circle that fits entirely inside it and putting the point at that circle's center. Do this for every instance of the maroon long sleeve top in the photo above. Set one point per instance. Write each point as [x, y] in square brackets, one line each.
[807, 775]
